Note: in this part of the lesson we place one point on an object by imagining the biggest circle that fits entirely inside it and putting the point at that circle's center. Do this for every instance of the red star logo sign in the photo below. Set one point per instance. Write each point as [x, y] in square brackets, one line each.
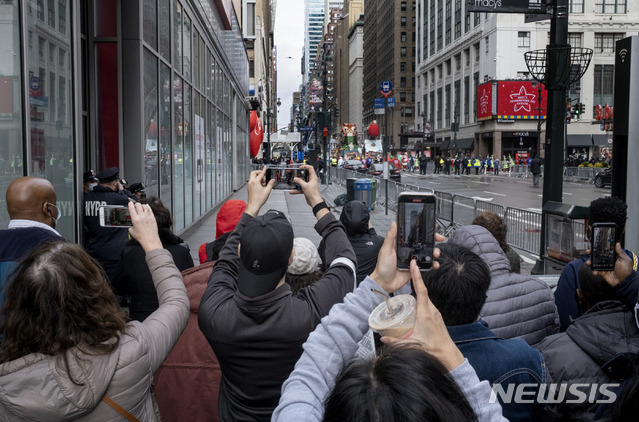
[522, 100]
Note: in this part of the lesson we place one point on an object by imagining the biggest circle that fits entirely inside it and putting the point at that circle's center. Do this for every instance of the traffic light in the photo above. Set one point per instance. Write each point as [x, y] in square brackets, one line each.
[582, 108]
[577, 110]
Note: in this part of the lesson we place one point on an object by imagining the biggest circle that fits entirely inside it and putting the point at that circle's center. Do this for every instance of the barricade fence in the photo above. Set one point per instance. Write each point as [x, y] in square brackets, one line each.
[453, 211]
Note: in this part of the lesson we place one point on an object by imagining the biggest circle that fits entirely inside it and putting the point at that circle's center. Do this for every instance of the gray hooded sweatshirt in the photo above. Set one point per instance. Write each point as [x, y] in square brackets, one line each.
[517, 305]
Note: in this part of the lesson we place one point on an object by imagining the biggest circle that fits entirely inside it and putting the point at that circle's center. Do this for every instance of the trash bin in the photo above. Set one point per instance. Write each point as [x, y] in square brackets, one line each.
[374, 182]
[350, 192]
[363, 189]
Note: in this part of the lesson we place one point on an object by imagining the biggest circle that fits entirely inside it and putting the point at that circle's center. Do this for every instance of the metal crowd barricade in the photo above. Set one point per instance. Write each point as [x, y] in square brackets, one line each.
[571, 174]
[481, 206]
[520, 170]
[444, 212]
[524, 229]
[463, 210]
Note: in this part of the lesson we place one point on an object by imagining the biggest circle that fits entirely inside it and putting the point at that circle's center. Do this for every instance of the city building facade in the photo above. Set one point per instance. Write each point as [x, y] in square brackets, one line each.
[389, 54]
[155, 87]
[460, 52]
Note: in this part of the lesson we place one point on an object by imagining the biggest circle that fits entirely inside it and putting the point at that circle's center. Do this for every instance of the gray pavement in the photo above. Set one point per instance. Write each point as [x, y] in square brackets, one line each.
[296, 210]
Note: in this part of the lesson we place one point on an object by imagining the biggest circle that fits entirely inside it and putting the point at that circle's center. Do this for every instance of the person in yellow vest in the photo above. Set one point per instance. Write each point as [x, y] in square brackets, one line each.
[469, 165]
[334, 162]
[477, 165]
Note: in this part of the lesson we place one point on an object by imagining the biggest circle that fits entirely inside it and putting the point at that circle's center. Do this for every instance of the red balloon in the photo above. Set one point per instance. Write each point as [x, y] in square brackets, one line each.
[253, 119]
[373, 130]
[256, 137]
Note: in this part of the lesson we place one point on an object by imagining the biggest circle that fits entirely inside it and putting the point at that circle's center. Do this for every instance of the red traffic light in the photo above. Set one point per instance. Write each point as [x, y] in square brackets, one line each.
[325, 131]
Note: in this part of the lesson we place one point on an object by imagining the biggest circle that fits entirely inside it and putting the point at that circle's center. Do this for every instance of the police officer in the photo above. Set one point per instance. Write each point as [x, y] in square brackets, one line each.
[104, 243]
[138, 191]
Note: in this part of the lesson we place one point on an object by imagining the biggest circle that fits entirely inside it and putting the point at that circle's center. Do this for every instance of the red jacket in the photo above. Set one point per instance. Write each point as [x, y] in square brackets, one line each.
[188, 382]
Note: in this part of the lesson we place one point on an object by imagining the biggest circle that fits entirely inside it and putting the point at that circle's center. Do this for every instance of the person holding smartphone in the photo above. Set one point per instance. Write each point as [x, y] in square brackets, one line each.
[602, 210]
[104, 243]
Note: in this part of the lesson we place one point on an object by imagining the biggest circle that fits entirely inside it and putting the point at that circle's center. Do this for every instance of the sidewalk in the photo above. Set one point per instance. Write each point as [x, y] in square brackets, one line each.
[299, 214]
[296, 210]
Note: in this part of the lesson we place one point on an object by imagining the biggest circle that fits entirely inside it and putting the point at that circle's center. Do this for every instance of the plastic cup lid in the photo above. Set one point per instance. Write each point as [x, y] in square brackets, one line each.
[402, 306]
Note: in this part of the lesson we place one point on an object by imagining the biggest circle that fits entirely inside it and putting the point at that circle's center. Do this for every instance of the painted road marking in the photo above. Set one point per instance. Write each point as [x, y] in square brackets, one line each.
[495, 193]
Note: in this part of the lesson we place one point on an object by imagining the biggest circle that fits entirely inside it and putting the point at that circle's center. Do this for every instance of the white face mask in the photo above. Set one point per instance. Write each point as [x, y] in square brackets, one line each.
[91, 186]
[55, 219]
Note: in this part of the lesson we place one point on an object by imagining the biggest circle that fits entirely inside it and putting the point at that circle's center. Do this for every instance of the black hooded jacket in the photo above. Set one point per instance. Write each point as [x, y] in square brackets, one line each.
[365, 241]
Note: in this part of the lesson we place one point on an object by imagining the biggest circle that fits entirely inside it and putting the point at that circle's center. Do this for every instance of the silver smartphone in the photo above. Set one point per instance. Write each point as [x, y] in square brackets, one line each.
[115, 216]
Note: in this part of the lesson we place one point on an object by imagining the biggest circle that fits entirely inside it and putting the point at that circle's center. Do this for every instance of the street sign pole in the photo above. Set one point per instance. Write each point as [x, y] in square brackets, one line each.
[386, 88]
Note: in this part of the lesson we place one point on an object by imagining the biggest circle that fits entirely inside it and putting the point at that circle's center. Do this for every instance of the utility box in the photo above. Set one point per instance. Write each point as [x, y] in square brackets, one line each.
[350, 189]
[363, 189]
[374, 199]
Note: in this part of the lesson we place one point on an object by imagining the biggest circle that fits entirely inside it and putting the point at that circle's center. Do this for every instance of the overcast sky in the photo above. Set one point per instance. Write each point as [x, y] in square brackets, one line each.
[289, 40]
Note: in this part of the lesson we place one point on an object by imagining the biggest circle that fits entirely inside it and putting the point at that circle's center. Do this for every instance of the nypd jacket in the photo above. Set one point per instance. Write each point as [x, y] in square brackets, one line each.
[516, 305]
[103, 243]
[258, 340]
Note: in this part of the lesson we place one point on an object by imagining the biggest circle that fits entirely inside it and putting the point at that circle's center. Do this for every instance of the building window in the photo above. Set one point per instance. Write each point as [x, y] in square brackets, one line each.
[466, 99]
[250, 20]
[448, 67]
[447, 109]
[402, 82]
[403, 6]
[62, 17]
[523, 40]
[605, 42]
[487, 43]
[402, 21]
[403, 37]
[402, 51]
[51, 13]
[402, 96]
[408, 112]
[604, 78]
[610, 6]
[576, 6]
[574, 39]
[476, 19]
[402, 67]
[440, 102]
[476, 48]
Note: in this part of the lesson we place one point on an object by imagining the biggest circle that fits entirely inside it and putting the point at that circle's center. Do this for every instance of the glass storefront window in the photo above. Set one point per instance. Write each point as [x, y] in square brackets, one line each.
[198, 148]
[150, 27]
[178, 155]
[188, 156]
[164, 25]
[186, 48]
[11, 130]
[50, 150]
[217, 156]
[165, 136]
[151, 123]
[177, 38]
[210, 156]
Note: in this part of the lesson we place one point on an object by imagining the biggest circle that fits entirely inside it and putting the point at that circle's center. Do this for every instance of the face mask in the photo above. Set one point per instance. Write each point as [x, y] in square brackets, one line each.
[91, 186]
[59, 215]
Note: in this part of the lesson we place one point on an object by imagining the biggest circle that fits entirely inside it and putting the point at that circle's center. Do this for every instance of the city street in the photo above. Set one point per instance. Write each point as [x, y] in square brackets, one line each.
[507, 191]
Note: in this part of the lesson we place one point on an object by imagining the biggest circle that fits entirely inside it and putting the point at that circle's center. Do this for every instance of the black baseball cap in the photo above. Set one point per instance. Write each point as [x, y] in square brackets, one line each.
[109, 175]
[265, 246]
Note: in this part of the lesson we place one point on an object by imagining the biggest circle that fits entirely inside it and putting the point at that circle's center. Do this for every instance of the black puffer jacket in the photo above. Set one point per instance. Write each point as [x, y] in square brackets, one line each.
[133, 279]
[516, 305]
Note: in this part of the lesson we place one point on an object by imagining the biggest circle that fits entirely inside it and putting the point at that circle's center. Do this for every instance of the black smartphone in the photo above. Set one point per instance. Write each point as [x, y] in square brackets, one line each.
[602, 246]
[415, 229]
[115, 216]
[284, 177]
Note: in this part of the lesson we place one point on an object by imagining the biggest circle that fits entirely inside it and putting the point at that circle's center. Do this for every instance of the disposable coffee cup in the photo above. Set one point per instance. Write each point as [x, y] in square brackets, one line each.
[398, 321]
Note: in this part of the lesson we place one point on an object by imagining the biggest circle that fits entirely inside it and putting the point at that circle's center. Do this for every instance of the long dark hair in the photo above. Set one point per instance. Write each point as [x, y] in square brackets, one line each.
[403, 383]
[58, 302]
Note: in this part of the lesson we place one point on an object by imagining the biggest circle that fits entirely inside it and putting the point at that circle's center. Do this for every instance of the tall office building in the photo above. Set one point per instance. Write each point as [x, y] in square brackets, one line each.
[389, 54]
[313, 26]
[460, 52]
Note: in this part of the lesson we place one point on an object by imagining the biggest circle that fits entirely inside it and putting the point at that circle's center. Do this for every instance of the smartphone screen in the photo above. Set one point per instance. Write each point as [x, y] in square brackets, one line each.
[284, 177]
[602, 247]
[415, 229]
[115, 216]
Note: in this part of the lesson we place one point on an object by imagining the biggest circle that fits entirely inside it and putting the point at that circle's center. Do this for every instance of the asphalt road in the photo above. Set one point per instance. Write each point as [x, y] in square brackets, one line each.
[507, 191]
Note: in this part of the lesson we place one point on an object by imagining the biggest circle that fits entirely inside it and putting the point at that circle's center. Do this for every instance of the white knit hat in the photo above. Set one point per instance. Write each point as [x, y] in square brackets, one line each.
[305, 259]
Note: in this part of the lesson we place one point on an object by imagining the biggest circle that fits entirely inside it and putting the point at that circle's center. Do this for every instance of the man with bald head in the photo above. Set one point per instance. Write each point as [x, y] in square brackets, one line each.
[33, 210]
